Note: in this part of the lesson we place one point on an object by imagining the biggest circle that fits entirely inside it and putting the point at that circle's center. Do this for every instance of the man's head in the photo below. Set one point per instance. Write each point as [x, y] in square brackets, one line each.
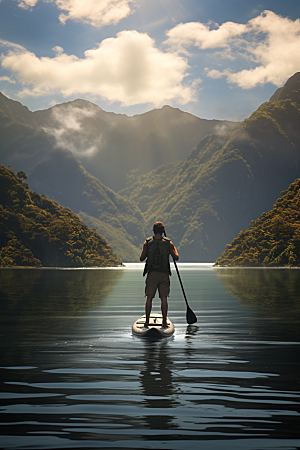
[158, 228]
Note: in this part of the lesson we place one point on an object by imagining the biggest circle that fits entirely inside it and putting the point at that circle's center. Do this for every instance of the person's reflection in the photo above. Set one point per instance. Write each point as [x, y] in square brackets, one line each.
[158, 389]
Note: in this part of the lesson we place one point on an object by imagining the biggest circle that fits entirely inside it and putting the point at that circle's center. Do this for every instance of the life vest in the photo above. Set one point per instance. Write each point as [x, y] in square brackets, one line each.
[158, 251]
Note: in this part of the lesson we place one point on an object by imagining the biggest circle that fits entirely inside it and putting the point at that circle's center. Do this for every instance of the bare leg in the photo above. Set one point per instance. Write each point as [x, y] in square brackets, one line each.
[164, 309]
[148, 308]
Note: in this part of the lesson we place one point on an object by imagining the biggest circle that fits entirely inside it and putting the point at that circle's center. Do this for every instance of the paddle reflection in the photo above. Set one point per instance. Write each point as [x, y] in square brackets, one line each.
[157, 384]
[191, 330]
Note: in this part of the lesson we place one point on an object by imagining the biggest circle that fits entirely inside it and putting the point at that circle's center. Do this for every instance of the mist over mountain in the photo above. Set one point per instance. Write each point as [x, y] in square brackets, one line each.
[109, 145]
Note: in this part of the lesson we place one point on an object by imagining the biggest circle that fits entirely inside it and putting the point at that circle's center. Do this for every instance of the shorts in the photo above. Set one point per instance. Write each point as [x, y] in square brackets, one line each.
[157, 280]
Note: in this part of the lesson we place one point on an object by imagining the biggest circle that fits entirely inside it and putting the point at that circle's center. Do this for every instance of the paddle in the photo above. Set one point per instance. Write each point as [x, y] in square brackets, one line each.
[190, 316]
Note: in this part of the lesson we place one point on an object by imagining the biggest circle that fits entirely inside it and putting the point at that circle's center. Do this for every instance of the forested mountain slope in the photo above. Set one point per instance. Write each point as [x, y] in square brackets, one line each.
[227, 181]
[35, 231]
[273, 238]
[117, 219]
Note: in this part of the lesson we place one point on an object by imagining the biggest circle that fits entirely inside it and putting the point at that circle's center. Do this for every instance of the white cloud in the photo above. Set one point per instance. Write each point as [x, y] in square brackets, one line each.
[58, 50]
[9, 80]
[269, 41]
[200, 35]
[214, 73]
[277, 55]
[26, 4]
[11, 44]
[129, 69]
[95, 12]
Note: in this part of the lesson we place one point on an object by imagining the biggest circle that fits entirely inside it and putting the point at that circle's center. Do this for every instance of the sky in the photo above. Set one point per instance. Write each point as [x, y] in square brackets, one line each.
[217, 59]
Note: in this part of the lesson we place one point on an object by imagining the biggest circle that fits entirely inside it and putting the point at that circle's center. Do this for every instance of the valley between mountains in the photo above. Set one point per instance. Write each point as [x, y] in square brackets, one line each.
[206, 180]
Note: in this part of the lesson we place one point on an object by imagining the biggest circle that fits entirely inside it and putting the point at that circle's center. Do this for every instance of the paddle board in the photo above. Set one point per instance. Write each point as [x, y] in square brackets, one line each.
[155, 329]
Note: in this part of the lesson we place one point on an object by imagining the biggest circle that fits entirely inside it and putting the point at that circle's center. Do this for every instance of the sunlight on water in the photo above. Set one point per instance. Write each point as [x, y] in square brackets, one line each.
[181, 266]
[74, 376]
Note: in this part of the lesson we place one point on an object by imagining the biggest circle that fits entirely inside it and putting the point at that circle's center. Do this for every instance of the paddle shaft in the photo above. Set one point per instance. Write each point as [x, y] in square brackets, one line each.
[190, 315]
[179, 278]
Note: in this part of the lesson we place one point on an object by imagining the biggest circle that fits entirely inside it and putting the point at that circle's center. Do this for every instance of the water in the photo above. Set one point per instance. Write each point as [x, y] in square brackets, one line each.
[73, 376]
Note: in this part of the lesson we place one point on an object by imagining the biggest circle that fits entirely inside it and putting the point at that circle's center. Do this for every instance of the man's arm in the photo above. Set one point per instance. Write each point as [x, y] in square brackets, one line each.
[144, 252]
[173, 251]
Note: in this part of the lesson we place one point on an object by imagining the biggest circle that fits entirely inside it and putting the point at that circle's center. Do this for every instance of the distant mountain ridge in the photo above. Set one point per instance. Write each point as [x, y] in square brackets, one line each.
[110, 145]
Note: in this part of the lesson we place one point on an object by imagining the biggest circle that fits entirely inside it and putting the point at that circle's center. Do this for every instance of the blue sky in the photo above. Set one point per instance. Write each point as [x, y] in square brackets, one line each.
[216, 59]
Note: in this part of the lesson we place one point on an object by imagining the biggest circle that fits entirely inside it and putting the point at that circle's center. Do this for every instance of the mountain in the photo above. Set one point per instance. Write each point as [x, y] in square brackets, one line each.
[21, 145]
[204, 199]
[227, 180]
[289, 90]
[110, 146]
[35, 231]
[62, 178]
[273, 238]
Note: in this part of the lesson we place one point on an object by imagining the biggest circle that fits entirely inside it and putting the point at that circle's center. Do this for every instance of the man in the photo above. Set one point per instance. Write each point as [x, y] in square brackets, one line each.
[157, 250]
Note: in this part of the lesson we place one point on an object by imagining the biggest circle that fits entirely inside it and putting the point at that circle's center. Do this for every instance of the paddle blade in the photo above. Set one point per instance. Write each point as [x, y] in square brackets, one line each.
[190, 316]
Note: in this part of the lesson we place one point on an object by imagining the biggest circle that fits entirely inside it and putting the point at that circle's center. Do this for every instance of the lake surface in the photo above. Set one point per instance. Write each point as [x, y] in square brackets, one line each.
[74, 376]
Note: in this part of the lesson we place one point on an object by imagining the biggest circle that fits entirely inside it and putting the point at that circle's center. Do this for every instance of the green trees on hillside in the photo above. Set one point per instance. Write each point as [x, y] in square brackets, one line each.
[35, 231]
[273, 239]
[22, 176]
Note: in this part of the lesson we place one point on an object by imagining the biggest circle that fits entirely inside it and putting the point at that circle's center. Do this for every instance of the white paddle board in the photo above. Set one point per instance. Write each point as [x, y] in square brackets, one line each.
[155, 329]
